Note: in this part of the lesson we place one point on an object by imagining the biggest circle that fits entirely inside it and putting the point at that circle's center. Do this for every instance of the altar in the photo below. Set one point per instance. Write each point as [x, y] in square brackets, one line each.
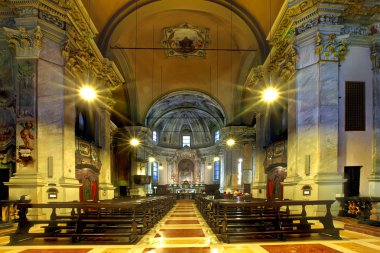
[181, 190]
[186, 188]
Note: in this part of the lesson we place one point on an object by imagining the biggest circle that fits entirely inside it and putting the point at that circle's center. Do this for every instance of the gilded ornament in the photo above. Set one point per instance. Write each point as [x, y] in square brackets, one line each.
[332, 49]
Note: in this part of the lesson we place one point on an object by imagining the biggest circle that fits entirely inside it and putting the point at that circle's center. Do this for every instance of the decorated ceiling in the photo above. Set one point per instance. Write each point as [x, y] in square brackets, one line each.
[169, 46]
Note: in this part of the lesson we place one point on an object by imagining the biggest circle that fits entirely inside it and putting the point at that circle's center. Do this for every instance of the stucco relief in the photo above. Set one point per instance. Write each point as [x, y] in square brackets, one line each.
[185, 40]
[331, 48]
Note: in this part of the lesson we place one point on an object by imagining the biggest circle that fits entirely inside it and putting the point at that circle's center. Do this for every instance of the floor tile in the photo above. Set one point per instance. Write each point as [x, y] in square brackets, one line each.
[177, 250]
[182, 222]
[299, 248]
[358, 247]
[180, 233]
[72, 250]
[376, 243]
[116, 250]
[183, 215]
[237, 249]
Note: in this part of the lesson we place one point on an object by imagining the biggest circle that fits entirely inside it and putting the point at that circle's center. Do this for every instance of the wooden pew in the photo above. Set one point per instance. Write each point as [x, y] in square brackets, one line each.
[274, 218]
[124, 219]
[232, 218]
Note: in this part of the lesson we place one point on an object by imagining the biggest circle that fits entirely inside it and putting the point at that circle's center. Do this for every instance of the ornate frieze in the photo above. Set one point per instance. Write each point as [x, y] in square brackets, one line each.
[331, 48]
[52, 19]
[52, 12]
[256, 76]
[80, 52]
[25, 44]
[356, 30]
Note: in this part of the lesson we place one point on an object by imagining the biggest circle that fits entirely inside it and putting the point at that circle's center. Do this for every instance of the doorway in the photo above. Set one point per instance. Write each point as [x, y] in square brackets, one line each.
[4, 177]
[352, 184]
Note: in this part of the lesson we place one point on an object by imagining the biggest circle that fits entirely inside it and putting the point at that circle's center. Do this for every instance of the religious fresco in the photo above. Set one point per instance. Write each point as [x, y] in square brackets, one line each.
[186, 171]
[185, 40]
[7, 121]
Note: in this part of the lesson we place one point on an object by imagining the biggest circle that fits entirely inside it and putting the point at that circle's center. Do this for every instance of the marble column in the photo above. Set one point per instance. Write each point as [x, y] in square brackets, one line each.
[247, 163]
[374, 178]
[259, 178]
[292, 178]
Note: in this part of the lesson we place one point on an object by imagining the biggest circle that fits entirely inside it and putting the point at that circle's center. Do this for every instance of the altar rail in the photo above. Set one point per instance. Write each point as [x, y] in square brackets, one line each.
[104, 220]
[231, 218]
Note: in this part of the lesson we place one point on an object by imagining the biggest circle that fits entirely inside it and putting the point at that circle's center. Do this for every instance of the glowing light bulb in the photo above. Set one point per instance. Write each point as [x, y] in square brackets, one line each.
[230, 142]
[87, 93]
[134, 142]
[270, 94]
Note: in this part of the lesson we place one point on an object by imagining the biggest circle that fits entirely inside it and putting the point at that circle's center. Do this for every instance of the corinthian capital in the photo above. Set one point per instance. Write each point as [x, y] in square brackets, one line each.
[25, 44]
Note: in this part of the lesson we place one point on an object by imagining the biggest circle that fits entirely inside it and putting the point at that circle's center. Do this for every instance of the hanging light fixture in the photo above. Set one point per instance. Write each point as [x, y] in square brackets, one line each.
[209, 166]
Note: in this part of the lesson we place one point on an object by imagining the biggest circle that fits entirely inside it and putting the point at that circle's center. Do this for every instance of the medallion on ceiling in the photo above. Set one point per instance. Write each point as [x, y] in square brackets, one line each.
[185, 40]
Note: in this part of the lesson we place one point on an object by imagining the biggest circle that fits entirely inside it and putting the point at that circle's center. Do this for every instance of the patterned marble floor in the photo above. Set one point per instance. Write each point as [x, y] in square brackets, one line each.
[183, 230]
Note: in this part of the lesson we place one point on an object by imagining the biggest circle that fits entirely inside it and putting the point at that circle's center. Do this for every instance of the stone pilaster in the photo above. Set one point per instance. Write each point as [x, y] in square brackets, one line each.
[316, 83]
[26, 47]
[259, 176]
[106, 189]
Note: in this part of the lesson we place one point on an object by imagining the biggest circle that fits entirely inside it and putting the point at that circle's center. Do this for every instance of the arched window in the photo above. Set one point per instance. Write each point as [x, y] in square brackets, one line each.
[240, 165]
[216, 170]
[155, 172]
[154, 136]
[186, 140]
[216, 135]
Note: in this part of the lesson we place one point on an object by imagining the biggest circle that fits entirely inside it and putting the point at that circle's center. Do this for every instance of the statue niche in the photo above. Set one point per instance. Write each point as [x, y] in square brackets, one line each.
[185, 171]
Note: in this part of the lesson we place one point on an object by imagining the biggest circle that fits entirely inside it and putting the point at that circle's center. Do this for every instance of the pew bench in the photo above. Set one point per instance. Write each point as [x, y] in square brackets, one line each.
[106, 220]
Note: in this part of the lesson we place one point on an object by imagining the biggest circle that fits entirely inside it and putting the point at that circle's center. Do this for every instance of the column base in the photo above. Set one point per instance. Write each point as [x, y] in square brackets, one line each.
[259, 190]
[106, 191]
[329, 186]
[374, 184]
[290, 189]
[70, 189]
[138, 191]
[26, 183]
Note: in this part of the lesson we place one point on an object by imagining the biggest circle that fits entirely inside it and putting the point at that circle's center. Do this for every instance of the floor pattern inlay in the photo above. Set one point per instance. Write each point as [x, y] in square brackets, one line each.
[177, 250]
[182, 222]
[170, 233]
[358, 247]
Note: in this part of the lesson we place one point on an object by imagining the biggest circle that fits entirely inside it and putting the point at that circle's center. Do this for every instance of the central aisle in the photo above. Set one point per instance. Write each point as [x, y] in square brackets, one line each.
[181, 230]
